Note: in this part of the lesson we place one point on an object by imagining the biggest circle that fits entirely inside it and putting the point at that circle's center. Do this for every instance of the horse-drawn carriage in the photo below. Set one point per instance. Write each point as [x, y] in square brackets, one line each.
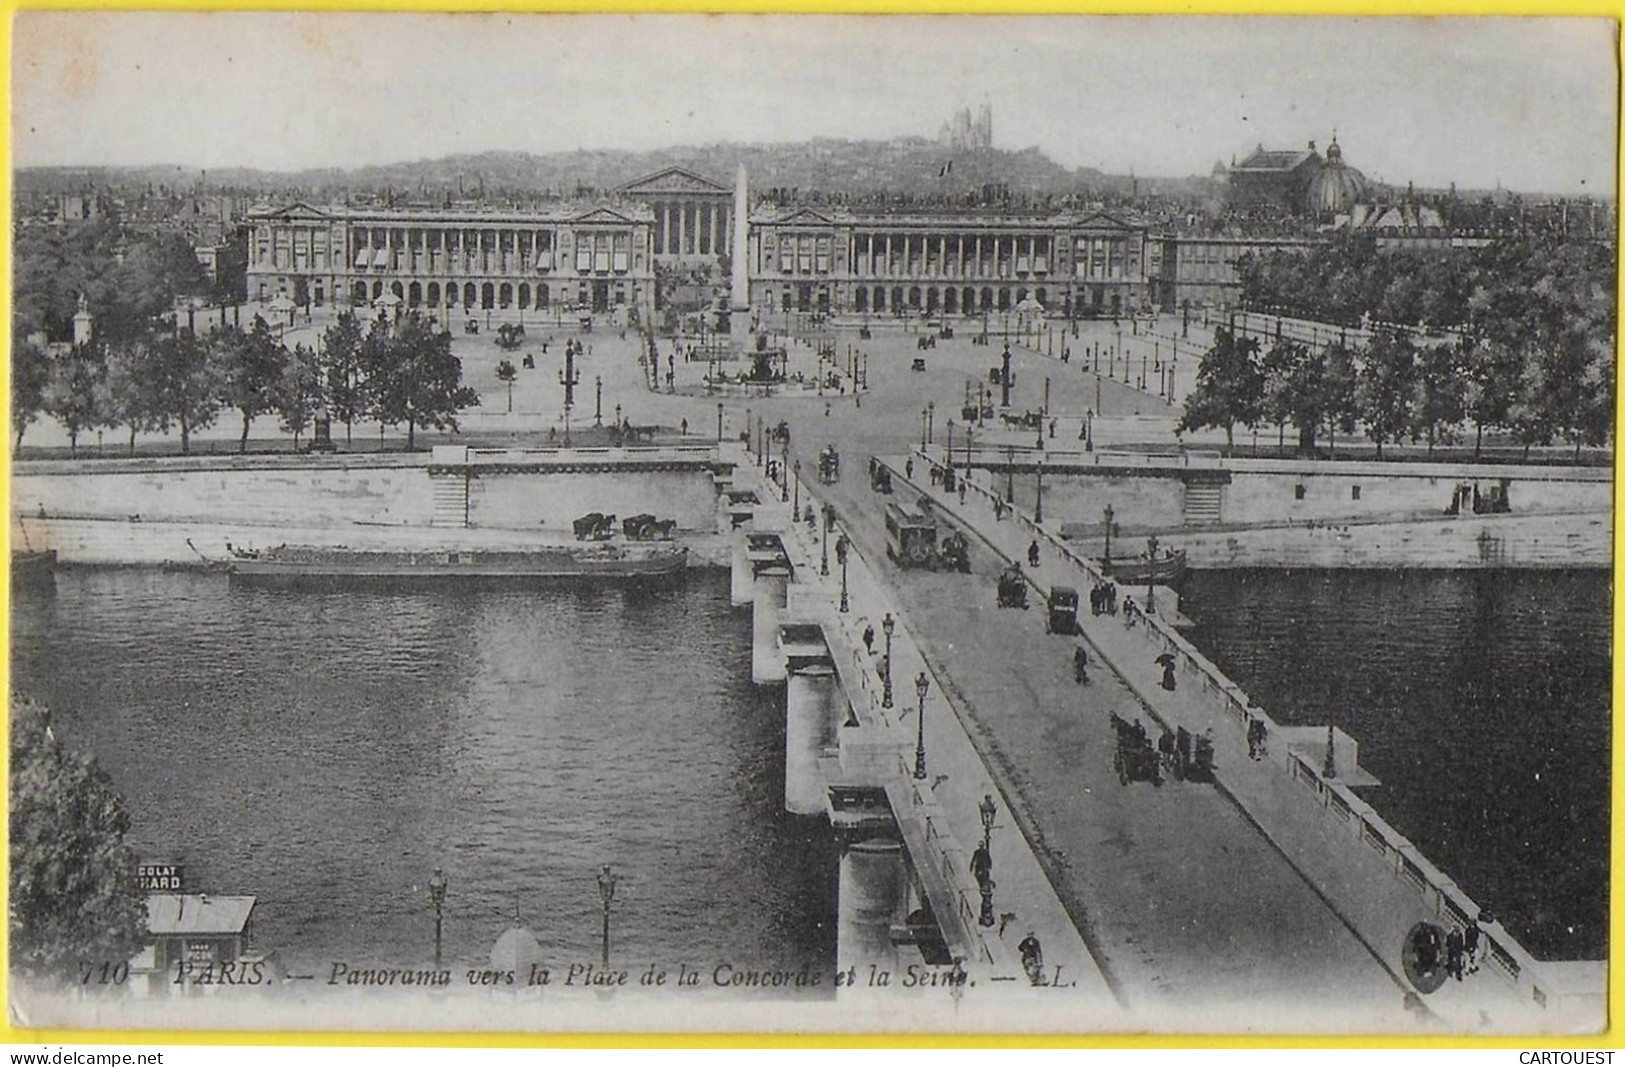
[594, 526]
[1134, 758]
[923, 343]
[1027, 420]
[471, 326]
[648, 528]
[1013, 588]
[879, 476]
[953, 553]
[829, 466]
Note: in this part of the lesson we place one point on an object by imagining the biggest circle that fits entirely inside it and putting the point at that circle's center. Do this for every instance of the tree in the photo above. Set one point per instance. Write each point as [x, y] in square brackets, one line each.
[1385, 388]
[1296, 388]
[251, 364]
[1338, 391]
[30, 371]
[1441, 394]
[299, 394]
[128, 385]
[186, 383]
[1229, 387]
[1492, 375]
[507, 373]
[73, 392]
[412, 377]
[74, 900]
[341, 353]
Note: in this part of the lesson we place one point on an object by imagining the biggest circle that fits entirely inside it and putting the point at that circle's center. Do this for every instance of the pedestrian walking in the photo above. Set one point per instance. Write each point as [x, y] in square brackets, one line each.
[1032, 554]
[961, 491]
[908, 467]
[1454, 953]
[869, 639]
[1032, 958]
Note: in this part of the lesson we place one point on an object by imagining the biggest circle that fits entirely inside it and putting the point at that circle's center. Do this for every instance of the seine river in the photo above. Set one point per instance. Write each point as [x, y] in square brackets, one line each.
[326, 751]
[1481, 701]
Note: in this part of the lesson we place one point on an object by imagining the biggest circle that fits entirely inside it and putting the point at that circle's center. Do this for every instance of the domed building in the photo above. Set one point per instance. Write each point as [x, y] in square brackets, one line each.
[1337, 187]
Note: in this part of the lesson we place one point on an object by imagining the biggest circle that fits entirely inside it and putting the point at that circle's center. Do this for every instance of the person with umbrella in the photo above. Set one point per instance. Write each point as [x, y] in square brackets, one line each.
[1167, 661]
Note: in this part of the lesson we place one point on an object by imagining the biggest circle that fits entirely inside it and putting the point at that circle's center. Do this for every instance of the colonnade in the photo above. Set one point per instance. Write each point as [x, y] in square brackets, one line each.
[691, 227]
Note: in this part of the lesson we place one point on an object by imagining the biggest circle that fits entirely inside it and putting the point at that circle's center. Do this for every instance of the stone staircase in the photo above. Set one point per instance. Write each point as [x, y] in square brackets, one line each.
[1203, 503]
[449, 499]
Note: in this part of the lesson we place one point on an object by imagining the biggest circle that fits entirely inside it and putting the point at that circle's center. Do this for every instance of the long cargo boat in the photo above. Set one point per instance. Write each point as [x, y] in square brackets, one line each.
[304, 565]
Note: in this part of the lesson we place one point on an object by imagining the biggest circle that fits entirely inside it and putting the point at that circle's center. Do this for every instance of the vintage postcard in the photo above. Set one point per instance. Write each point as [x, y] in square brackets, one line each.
[746, 523]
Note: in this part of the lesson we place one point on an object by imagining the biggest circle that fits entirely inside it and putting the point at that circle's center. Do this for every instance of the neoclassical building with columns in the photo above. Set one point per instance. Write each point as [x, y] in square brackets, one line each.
[598, 256]
[693, 215]
[959, 263]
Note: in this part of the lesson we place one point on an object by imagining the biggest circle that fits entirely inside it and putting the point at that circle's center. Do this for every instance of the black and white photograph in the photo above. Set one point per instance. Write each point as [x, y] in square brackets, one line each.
[657, 523]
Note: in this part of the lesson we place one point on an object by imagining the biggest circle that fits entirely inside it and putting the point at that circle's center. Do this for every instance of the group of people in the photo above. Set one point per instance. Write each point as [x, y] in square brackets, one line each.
[1458, 951]
[1103, 599]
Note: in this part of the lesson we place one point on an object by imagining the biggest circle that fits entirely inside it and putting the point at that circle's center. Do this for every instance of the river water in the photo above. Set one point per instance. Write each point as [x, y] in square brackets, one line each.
[326, 751]
[1479, 699]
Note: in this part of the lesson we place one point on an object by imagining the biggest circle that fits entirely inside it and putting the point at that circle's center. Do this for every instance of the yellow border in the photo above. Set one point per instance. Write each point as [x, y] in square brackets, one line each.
[1610, 1038]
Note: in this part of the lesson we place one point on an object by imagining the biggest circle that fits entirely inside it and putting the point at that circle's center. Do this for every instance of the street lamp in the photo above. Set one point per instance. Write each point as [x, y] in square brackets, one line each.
[784, 469]
[921, 684]
[606, 893]
[988, 811]
[829, 523]
[887, 625]
[598, 400]
[930, 412]
[1038, 505]
[840, 554]
[1328, 769]
[719, 422]
[437, 894]
[922, 428]
[795, 509]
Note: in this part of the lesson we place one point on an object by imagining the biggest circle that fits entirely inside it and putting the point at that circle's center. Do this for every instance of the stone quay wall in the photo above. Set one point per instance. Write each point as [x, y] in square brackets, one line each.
[142, 511]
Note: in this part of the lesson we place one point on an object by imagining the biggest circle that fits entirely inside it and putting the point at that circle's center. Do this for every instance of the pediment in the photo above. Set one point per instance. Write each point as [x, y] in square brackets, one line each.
[804, 217]
[602, 214]
[672, 180]
[297, 210]
[1101, 220]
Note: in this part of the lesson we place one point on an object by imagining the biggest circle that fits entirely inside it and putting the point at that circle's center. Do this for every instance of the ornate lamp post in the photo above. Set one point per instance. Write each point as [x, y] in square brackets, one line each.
[950, 451]
[750, 431]
[921, 684]
[887, 625]
[922, 428]
[988, 810]
[1009, 474]
[930, 413]
[437, 894]
[784, 469]
[719, 422]
[829, 523]
[795, 508]
[606, 893]
[1107, 556]
[1328, 769]
[1038, 506]
[598, 400]
[840, 554]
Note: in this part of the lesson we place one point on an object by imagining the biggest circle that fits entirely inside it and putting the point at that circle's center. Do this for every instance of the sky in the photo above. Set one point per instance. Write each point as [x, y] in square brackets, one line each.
[1526, 103]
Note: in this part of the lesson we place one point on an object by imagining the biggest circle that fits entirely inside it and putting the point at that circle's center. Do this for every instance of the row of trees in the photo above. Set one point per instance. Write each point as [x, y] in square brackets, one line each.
[1516, 336]
[148, 381]
[1395, 388]
[1487, 291]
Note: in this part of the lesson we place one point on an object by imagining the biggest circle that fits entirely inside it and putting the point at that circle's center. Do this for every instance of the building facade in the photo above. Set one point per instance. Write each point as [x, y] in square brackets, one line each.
[1205, 271]
[598, 256]
[818, 259]
[692, 215]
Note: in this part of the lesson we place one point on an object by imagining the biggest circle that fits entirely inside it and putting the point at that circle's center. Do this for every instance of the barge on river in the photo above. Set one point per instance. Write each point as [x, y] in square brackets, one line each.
[310, 566]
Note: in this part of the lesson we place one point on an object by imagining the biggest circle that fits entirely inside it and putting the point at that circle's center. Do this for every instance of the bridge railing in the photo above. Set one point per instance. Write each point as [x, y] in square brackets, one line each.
[1230, 705]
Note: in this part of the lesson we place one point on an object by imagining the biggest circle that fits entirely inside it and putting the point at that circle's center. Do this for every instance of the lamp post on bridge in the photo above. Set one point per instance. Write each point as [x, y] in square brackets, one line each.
[719, 422]
[988, 811]
[1329, 768]
[795, 508]
[887, 625]
[606, 894]
[930, 417]
[921, 684]
[829, 522]
[598, 400]
[1038, 506]
[437, 895]
[841, 549]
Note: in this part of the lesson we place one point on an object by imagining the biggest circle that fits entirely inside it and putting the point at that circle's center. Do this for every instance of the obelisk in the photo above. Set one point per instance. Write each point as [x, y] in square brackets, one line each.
[739, 298]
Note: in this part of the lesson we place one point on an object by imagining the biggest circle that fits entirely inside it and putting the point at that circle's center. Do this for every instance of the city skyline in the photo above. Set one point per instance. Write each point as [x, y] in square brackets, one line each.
[1525, 104]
